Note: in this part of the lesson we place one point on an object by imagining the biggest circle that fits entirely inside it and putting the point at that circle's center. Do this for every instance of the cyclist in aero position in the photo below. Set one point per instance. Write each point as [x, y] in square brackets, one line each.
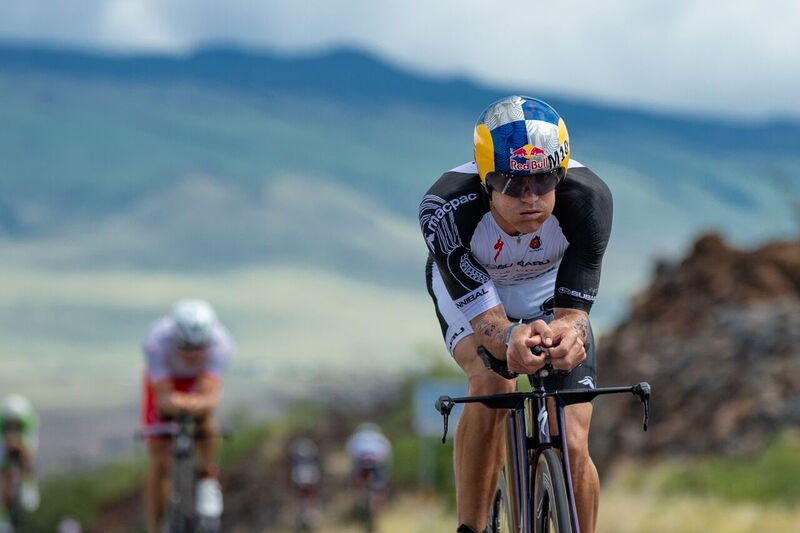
[185, 353]
[516, 240]
[369, 448]
[19, 437]
[370, 453]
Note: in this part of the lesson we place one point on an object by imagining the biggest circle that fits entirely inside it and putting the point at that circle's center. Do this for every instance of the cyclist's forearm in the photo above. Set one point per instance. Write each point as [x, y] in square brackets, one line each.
[192, 403]
[573, 318]
[490, 328]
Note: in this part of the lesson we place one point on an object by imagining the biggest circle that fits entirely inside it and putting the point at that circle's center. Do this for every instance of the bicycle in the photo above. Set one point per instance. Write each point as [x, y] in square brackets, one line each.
[370, 487]
[12, 473]
[305, 481]
[182, 515]
[534, 492]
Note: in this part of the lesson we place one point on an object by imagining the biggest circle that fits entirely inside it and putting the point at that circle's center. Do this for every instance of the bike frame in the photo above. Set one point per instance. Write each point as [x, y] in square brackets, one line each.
[183, 472]
[12, 472]
[183, 433]
[528, 435]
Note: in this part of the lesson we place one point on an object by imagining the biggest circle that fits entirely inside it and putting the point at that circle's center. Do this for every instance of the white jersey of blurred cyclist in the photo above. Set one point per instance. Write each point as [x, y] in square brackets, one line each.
[368, 443]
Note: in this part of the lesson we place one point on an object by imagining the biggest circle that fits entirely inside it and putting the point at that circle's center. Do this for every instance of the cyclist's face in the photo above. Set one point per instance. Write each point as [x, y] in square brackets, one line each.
[524, 213]
[192, 355]
[12, 434]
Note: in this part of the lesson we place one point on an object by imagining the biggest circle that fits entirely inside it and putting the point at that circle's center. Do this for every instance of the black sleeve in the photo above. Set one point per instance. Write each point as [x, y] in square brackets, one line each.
[448, 216]
[584, 209]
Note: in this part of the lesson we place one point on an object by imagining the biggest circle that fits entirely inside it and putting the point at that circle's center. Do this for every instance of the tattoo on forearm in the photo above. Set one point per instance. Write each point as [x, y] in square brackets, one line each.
[582, 327]
[491, 331]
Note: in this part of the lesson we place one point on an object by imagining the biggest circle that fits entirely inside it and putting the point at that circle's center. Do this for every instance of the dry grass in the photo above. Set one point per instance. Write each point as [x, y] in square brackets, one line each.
[623, 509]
[644, 508]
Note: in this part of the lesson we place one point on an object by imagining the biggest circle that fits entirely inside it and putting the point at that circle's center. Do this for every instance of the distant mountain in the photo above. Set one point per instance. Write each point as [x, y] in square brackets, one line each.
[91, 141]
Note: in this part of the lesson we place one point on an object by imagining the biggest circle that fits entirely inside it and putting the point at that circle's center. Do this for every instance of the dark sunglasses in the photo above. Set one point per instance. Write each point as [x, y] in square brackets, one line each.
[188, 347]
[517, 185]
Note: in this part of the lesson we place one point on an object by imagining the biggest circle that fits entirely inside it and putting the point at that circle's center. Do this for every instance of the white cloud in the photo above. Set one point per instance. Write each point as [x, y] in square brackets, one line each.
[729, 57]
[135, 24]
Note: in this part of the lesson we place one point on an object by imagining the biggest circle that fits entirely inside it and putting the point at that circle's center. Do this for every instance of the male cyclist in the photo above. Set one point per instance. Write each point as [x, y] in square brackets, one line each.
[370, 453]
[305, 476]
[185, 353]
[19, 439]
[516, 239]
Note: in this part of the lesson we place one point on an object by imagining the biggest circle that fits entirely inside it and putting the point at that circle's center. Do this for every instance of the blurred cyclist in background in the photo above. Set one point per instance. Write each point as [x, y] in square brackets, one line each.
[185, 353]
[370, 454]
[305, 477]
[19, 439]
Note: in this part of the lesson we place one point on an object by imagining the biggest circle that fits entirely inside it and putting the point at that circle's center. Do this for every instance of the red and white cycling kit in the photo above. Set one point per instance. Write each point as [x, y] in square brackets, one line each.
[163, 362]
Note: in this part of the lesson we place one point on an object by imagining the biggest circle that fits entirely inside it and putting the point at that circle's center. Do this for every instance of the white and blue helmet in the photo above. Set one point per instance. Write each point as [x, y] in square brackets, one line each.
[520, 135]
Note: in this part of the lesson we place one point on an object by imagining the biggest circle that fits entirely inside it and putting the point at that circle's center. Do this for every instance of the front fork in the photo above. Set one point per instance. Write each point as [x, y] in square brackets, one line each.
[537, 431]
[517, 485]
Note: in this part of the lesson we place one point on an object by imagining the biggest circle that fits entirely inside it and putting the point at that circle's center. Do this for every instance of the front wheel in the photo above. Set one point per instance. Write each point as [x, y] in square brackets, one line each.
[500, 513]
[551, 513]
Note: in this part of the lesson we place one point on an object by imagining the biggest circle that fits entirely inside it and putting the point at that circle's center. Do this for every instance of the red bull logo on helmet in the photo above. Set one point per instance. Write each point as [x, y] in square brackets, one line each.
[528, 158]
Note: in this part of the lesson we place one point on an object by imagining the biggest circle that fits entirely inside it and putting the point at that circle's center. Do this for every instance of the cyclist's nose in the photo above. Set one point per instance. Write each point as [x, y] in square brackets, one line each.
[528, 196]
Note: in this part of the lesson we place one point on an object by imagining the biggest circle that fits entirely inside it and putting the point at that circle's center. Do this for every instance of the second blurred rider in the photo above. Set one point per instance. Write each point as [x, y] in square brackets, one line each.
[185, 353]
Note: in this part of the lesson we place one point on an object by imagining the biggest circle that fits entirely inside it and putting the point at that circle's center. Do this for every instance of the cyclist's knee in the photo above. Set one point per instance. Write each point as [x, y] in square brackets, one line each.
[207, 424]
[481, 380]
[483, 383]
[159, 455]
[579, 417]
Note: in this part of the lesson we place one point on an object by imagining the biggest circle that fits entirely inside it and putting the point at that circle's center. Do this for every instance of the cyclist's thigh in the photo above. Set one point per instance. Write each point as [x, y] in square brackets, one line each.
[454, 325]
[160, 450]
[579, 418]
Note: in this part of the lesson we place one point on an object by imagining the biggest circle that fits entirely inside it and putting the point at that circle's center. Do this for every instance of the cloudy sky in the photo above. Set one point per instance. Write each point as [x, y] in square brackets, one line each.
[721, 57]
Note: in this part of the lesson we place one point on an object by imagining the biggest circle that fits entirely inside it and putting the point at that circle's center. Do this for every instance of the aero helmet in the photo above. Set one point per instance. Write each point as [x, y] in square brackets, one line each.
[521, 135]
[194, 322]
[16, 407]
[304, 448]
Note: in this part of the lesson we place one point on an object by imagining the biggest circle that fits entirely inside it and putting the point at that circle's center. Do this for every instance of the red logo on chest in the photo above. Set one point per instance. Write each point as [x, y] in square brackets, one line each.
[499, 247]
[535, 244]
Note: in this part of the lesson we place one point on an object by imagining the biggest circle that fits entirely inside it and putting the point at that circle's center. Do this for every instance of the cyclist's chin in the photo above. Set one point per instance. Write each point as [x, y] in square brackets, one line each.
[528, 225]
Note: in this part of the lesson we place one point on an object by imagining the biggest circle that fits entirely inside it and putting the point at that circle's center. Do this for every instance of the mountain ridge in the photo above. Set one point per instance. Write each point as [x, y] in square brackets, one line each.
[240, 66]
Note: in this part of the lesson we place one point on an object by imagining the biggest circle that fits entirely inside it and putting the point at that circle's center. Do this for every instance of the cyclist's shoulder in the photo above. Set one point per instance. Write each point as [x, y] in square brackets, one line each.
[457, 197]
[459, 181]
[223, 342]
[158, 332]
[582, 188]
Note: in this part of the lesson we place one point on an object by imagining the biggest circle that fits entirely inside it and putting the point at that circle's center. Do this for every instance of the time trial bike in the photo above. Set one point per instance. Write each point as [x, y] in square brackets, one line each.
[182, 515]
[534, 492]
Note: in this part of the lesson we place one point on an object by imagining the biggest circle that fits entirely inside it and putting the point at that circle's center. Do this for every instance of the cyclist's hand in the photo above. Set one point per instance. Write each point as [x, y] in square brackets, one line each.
[519, 357]
[567, 349]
